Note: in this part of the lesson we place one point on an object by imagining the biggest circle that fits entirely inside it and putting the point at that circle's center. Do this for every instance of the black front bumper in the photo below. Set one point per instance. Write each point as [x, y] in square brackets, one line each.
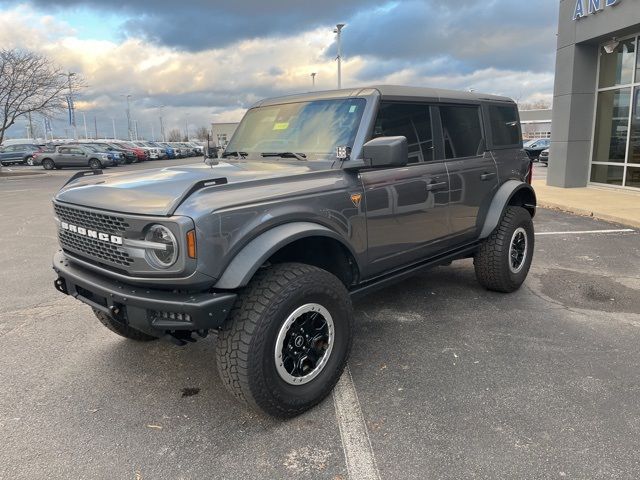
[152, 311]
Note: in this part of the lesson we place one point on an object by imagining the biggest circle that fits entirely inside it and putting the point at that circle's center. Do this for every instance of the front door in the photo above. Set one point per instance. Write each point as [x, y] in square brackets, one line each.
[407, 215]
[472, 170]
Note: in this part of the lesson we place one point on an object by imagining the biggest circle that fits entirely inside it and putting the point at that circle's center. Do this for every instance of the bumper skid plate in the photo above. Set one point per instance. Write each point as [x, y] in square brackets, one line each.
[152, 311]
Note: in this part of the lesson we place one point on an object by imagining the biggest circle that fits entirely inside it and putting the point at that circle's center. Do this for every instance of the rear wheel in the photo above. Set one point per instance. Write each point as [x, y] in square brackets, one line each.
[95, 164]
[503, 260]
[48, 164]
[29, 161]
[287, 340]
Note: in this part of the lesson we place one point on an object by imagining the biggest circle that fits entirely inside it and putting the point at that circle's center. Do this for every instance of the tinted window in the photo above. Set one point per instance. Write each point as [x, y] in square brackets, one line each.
[411, 121]
[462, 131]
[504, 126]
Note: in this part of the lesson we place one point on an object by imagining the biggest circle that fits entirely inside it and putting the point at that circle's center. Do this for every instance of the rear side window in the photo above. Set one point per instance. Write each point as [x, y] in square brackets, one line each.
[407, 120]
[504, 126]
[462, 131]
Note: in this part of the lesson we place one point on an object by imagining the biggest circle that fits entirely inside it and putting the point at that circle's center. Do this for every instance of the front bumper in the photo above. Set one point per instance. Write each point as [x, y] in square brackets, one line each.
[153, 311]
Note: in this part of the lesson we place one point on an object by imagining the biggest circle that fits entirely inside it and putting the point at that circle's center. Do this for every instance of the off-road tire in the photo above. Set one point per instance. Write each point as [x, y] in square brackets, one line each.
[246, 344]
[48, 164]
[492, 259]
[121, 329]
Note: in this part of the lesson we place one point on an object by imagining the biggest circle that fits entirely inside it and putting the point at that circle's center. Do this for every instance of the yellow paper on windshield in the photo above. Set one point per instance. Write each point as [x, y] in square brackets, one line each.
[281, 126]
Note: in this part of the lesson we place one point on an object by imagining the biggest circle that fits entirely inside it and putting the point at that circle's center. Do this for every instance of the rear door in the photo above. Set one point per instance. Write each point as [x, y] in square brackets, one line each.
[63, 157]
[472, 170]
[78, 157]
[407, 216]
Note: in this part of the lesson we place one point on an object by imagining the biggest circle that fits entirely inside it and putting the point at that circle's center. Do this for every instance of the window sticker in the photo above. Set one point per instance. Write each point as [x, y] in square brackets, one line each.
[353, 108]
[281, 126]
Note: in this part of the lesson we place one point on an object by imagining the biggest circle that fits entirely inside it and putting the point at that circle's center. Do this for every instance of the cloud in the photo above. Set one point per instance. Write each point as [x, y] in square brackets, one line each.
[454, 44]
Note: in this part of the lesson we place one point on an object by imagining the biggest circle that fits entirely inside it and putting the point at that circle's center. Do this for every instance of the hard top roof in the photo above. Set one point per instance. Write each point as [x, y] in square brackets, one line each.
[390, 92]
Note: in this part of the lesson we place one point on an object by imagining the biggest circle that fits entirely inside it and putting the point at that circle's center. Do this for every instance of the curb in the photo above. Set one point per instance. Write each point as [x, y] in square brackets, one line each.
[588, 213]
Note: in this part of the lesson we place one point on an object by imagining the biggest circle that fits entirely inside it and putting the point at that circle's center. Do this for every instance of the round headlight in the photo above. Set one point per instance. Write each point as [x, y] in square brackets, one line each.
[161, 257]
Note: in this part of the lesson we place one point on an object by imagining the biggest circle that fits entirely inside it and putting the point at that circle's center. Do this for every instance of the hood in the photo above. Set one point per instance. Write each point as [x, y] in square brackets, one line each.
[158, 191]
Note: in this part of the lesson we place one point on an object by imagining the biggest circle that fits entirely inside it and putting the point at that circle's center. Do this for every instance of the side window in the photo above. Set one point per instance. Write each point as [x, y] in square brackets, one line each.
[10, 148]
[76, 150]
[63, 150]
[504, 125]
[407, 120]
[462, 131]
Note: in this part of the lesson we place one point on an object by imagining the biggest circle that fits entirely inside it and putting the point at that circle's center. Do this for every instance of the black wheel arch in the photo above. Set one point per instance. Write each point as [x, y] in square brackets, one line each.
[511, 193]
[301, 242]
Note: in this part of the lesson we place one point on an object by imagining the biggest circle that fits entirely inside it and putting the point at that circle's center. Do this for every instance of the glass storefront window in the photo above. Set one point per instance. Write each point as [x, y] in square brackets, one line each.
[612, 121]
[633, 177]
[609, 174]
[634, 141]
[617, 68]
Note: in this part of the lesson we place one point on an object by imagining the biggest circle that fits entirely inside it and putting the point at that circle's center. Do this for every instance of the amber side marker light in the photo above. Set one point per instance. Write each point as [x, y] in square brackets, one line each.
[191, 243]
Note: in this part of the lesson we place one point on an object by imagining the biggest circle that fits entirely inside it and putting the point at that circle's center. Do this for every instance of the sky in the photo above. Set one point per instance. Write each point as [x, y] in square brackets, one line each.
[208, 61]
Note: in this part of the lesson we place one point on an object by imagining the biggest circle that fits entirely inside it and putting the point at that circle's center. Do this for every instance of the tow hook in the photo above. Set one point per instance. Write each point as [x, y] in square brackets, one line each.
[61, 285]
[181, 337]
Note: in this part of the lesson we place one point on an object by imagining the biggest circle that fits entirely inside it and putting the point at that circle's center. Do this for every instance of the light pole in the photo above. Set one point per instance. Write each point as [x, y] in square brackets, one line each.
[153, 133]
[129, 130]
[313, 80]
[86, 132]
[186, 125]
[161, 107]
[135, 123]
[113, 124]
[72, 112]
[338, 32]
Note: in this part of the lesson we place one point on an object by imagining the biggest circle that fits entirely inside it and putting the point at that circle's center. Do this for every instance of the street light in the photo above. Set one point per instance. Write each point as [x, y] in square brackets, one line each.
[72, 112]
[113, 124]
[128, 97]
[338, 32]
[161, 107]
[186, 124]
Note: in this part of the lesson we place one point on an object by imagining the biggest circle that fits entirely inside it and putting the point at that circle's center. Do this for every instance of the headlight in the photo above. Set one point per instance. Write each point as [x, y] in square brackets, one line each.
[166, 252]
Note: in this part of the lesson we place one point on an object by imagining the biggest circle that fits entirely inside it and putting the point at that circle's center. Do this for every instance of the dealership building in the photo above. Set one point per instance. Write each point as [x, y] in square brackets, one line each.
[596, 106]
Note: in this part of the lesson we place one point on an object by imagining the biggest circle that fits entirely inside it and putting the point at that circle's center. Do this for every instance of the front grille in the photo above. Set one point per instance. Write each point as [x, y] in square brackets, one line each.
[95, 249]
[93, 220]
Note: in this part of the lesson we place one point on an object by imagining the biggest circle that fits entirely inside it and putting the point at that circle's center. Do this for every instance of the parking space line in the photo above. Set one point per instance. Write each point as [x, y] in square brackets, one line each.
[358, 453]
[585, 232]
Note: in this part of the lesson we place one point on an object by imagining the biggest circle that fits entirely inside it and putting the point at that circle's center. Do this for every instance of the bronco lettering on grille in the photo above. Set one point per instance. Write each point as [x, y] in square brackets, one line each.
[105, 237]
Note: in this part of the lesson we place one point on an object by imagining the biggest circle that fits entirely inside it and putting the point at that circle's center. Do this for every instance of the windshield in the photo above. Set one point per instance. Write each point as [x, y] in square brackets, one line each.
[313, 128]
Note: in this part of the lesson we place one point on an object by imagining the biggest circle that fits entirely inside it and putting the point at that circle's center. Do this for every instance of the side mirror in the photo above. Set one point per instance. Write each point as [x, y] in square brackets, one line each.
[386, 152]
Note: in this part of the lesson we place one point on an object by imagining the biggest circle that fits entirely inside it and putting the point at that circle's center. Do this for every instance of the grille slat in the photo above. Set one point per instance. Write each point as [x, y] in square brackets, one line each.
[94, 220]
[98, 250]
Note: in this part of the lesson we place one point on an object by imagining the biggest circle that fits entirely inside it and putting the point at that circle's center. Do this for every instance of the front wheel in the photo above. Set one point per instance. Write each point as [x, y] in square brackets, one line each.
[503, 260]
[287, 340]
[48, 164]
[30, 161]
[95, 164]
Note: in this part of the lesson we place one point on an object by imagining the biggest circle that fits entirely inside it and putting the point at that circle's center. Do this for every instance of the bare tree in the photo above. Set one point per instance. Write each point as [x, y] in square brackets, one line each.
[31, 83]
[202, 133]
[174, 135]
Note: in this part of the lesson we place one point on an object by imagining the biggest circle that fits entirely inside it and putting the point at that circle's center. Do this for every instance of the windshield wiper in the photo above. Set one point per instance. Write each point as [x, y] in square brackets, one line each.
[239, 155]
[298, 156]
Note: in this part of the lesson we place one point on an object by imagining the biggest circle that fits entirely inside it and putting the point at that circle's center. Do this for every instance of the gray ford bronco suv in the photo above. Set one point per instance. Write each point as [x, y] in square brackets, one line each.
[318, 199]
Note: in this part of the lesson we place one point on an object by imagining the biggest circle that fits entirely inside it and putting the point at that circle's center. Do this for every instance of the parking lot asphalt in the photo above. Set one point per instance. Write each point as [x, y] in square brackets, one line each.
[450, 381]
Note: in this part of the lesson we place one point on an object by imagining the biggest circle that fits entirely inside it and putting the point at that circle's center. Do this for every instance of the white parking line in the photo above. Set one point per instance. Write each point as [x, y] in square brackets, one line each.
[585, 232]
[358, 454]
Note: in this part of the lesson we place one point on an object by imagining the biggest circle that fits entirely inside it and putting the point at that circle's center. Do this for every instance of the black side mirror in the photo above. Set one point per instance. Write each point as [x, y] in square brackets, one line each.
[386, 152]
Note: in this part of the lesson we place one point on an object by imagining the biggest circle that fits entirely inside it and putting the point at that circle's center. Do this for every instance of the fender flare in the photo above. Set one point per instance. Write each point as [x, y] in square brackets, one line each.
[253, 255]
[502, 199]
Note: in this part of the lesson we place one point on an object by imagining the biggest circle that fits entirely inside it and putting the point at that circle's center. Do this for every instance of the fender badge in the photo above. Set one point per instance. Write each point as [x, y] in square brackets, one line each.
[356, 198]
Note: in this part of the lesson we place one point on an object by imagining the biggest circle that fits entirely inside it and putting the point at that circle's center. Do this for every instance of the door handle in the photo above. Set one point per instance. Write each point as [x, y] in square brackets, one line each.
[436, 186]
[487, 176]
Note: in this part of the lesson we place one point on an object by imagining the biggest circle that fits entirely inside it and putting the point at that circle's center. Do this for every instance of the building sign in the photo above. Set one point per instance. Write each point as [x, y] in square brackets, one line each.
[593, 7]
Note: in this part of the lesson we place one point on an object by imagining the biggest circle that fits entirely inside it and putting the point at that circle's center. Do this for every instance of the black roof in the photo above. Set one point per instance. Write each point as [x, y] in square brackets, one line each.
[391, 92]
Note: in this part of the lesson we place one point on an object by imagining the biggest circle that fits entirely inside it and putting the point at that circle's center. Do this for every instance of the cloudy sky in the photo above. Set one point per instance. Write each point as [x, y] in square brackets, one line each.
[207, 60]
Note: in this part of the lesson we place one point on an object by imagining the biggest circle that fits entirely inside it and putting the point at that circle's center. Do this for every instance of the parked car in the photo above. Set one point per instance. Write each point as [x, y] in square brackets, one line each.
[544, 157]
[128, 154]
[155, 152]
[321, 198]
[115, 156]
[74, 156]
[19, 153]
[535, 147]
[141, 154]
